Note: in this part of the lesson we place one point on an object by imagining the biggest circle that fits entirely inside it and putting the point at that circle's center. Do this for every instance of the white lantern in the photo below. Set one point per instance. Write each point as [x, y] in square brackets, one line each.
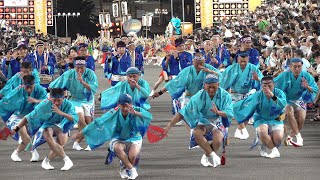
[124, 8]
[101, 20]
[144, 20]
[149, 23]
[108, 19]
[115, 9]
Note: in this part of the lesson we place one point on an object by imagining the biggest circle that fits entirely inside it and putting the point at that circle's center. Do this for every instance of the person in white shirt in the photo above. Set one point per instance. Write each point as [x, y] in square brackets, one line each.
[299, 54]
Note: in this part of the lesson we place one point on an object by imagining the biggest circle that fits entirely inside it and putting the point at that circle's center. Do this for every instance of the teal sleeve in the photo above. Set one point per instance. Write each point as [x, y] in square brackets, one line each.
[244, 109]
[177, 86]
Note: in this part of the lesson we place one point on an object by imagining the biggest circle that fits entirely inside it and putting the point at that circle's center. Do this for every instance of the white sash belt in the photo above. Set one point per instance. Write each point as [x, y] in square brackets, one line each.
[118, 78]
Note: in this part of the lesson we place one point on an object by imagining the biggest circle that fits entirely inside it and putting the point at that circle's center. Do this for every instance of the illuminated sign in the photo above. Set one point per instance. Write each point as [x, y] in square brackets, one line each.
[230, 1]
[197, 11]
[25, 15]
[15, 3]
[40, 15]
[214, 11]
[206, 13]
[49, 13]
[228, 9]
[18, 15]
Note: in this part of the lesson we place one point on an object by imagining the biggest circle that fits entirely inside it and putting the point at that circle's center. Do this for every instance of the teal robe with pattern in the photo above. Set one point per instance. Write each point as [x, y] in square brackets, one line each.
[293, 88]
[16, 102]
[198, 110]
[263, 110]
[188, 80]
[79, 94]
[43, 117]
[110, 97]
[113, 125]
[240, 81]
[16, 81]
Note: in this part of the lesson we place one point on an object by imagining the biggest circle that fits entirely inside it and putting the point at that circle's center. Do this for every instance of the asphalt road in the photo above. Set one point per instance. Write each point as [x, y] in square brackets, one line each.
[170, 158]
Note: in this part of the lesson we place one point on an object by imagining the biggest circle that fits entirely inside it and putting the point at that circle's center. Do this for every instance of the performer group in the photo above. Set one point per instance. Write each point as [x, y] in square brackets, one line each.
[214, 79]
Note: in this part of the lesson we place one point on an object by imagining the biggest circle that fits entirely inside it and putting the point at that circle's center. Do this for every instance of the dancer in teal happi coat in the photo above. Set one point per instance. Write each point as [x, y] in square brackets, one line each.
[56, 116]
[16, 80]
[188, 82]
[241, 79]
[267, 108]
[82, 83]
[203, 114]
[300, 88]
[18, 103]
[125, 126]
[135, 86]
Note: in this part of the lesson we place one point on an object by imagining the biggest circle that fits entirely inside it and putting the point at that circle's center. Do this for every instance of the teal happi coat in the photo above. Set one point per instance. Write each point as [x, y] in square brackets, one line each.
[109, 97]
[79, 94]
[43, 117]
[240, 81]
[188, 80]
[16, 102]
[263, 110]
[198, 110]
[16, 81]
[113, 125]
[293, 88]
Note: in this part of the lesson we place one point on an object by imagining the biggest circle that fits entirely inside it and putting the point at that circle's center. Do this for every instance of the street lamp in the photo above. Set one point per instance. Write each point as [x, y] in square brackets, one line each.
[74, 14]
[171, 6]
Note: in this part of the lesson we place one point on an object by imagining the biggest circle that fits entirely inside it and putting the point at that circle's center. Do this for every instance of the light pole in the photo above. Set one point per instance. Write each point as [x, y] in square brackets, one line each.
[55, 26]
[171, 9]
[65, 15]
[183, 18]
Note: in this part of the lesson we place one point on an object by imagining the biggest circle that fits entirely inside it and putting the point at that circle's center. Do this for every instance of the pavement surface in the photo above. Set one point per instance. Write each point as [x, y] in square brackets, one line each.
[171, 158]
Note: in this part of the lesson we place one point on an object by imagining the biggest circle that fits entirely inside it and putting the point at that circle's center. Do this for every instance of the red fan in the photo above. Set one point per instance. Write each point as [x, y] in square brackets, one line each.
[155, 134]
[4, 133]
